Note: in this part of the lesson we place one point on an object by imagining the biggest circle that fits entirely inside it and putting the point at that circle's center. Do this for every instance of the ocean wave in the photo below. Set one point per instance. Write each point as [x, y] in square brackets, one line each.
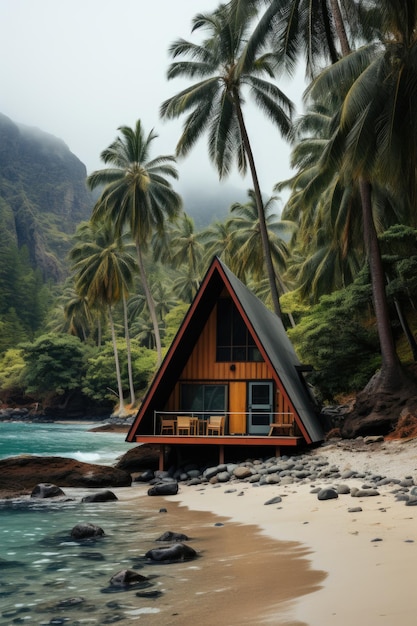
[87, 457]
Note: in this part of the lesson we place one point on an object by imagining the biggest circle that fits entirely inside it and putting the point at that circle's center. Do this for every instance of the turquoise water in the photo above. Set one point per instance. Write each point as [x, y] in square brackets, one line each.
[66, 440]
[46, 578]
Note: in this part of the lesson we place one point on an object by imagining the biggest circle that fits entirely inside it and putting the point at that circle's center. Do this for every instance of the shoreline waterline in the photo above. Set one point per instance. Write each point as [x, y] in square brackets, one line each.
[346, 560]
[240, 575]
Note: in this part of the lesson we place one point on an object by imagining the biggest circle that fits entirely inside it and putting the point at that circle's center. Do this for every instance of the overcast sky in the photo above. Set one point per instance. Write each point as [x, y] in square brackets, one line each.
[79, 69]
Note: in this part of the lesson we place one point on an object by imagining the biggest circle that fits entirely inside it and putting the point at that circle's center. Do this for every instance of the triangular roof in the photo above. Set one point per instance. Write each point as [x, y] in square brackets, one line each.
[268, 332]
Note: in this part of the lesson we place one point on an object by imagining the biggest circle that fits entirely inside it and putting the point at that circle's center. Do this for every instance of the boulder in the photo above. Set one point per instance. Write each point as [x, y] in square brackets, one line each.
[126, 578]
[164, 489]
[100, 496]
[140, 458]
[86, 531]
[21, 473]
[171, 536]
[145, 477]
[172, 554]
[363, 493]
[327, 494]
[46, 490]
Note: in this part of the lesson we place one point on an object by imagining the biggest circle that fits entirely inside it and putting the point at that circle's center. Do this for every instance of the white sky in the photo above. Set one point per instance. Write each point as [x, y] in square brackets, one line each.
[79, 69]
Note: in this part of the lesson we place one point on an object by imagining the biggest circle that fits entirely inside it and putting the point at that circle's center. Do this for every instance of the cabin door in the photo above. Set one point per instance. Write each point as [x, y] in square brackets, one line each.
[260, 407]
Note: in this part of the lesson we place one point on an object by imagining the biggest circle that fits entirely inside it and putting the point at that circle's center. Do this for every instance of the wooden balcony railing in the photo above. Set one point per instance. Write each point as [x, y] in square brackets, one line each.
[212, 423]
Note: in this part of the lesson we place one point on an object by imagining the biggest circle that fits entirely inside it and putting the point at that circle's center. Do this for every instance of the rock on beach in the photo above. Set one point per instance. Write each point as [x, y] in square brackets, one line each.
[23, 473]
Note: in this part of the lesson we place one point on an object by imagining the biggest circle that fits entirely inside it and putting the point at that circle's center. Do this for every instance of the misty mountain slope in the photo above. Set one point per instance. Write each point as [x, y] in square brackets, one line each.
[43, 195]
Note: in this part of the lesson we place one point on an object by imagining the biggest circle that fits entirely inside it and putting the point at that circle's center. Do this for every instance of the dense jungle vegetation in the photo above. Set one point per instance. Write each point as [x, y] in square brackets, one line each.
[338, 262]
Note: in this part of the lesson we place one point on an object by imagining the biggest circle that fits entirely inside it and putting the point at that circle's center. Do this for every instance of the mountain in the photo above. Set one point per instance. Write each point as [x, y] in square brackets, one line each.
[43, 195]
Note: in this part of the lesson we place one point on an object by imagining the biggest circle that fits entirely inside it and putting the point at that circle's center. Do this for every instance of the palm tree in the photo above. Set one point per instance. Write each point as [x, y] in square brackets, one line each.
[180, 245]
[374, 141]
[320, 30]
[77, 314]
[245, 224]
[103, 273]
[136, 194]
[215, 103]
[219, 240]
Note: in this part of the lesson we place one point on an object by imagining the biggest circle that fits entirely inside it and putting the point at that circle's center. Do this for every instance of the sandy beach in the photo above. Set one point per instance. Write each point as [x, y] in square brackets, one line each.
[349, 567]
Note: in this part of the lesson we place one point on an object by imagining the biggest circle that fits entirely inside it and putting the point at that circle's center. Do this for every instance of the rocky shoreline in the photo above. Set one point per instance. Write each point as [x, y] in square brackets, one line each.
[19, 474]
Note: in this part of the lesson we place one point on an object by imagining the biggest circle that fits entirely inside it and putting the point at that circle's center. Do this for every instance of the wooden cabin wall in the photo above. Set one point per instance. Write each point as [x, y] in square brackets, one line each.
[202, 367]
[202, 363]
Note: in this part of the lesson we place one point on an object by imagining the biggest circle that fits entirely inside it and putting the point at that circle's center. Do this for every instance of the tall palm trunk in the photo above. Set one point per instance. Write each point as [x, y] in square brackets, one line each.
[129, 353]
[390, 376]
[260, 206]
[150, 303]
[340, 27]
[122, 410]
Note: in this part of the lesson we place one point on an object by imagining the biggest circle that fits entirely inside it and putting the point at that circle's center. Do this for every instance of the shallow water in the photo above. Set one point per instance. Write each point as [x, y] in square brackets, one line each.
[66, 440]
[48, 578]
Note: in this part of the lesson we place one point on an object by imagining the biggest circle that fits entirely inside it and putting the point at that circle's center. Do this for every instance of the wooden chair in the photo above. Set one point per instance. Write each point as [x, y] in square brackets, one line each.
[168, 426]
[215, 425]
[184, 425]
[278, 428]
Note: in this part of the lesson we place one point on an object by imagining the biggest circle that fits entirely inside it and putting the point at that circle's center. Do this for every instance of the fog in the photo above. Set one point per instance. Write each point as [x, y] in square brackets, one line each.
[79, 70]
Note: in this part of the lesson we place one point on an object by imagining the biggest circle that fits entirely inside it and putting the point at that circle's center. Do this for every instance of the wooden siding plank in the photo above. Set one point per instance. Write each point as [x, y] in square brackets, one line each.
[237, 407]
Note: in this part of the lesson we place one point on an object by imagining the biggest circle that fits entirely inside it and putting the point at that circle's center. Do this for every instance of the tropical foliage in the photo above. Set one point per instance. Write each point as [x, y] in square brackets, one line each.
[340, 257]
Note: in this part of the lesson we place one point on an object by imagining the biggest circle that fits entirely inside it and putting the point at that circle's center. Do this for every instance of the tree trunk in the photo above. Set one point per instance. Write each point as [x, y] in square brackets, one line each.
[261, 213]
[406, 328]
[129, 353]
[391, 372]
[340, 27]
[150, 303]
[122, 411]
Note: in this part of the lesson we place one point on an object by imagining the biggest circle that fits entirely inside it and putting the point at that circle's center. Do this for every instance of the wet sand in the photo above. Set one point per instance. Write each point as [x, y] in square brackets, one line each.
[364, 562]
[240, 577]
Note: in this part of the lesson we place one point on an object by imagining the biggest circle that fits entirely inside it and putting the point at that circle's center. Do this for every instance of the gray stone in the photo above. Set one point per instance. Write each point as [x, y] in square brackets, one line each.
[373, 439]
[342, 489]
[172, 536]
[210, 472]
[126, 578]
[172, 554]
[275, 500]
[223, 477]
[101, 496]
[272, 479]
[46, 490]
[242, 472]
[327, 494]
[164, 489]
[86, 531]
[363, 493]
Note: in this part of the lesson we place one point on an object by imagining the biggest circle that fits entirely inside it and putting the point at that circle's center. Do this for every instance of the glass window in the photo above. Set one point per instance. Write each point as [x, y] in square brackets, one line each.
[203, 398]
[234, 341]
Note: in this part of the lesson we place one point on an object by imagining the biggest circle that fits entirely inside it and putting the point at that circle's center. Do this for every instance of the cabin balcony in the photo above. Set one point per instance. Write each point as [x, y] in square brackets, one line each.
[225, 428]
[216, 424]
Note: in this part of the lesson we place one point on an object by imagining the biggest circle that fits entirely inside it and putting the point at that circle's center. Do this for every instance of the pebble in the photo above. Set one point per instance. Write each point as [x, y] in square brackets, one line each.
[301, 469]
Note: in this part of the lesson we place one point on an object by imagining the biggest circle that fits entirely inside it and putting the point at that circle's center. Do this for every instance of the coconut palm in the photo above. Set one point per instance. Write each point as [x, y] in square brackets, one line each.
[375, 140]
[321, 31]
[215, 104]
[103, 272]
[219, 240]
[245, 225]
[136, 194]
[77, 313]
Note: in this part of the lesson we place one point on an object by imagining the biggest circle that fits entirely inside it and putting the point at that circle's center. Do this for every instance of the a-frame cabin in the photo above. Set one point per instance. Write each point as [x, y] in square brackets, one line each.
[230, 378]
